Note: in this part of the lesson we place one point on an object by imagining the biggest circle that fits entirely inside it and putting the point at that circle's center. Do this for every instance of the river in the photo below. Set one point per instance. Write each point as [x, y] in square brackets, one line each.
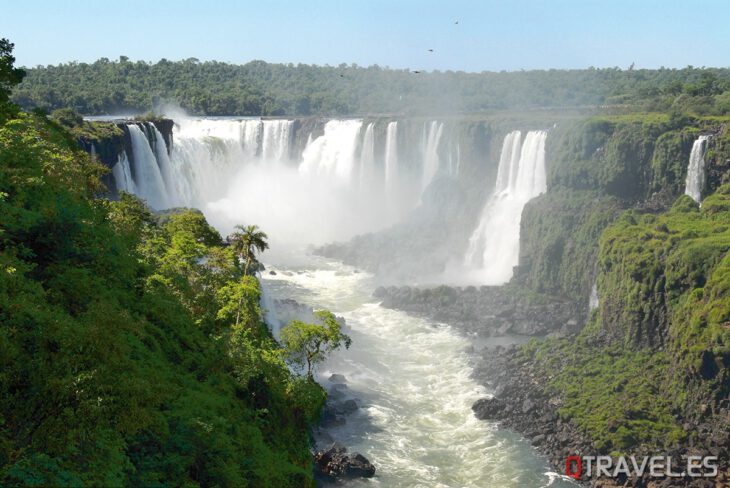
[412, 379]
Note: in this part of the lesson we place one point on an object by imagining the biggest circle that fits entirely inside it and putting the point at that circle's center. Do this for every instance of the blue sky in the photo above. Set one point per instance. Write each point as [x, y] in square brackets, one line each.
[490, 35]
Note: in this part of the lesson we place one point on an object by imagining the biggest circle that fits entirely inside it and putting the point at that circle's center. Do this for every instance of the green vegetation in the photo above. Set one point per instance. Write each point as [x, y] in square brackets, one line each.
[617, 396]
[132, 347]
[246, 242]
[664, 283]
[259, 88]
[559, 241]
[309, 344]
[10, 76]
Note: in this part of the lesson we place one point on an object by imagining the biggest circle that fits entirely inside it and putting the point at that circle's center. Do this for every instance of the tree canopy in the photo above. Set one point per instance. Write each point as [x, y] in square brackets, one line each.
[308, 345]
[260, 88]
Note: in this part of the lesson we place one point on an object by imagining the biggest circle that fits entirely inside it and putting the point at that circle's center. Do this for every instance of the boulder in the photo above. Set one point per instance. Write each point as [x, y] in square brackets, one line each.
[338, 378]
[335, 462]
[488, 408]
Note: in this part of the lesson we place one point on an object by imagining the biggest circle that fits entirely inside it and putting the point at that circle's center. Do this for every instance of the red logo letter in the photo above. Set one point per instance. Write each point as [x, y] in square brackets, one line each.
[573, 473]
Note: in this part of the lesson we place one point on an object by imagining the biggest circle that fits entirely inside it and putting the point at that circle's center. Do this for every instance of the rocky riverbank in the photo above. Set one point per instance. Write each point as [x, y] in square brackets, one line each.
[522, 402]
[487, 311]
[332, 460]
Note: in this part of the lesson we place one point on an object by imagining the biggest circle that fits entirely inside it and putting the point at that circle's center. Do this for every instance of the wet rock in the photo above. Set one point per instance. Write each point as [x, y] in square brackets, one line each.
[488, 408]
[528, 406]
[487, 311]
[335, 462]
[335, 395]
[272, 273]
[340, 409]
[337, 378]
[380, 292]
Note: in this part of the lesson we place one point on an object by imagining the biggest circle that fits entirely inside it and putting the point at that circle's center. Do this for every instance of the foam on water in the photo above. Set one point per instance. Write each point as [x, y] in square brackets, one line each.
[414, 382]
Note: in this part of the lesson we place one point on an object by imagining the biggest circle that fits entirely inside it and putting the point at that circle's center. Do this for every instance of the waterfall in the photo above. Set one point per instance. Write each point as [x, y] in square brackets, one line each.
[250, 134]
[695, 182]
[430, 153]
[333, 153]
[163, 161]
[391, 156]
[148, 179]
[276, 140]
[494, 245]
[593, 301]
[123, 175]
[367, 157]
[350, 178]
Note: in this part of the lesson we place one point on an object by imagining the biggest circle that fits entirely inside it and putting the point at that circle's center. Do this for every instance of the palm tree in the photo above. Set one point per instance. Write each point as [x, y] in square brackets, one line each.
[246, 242]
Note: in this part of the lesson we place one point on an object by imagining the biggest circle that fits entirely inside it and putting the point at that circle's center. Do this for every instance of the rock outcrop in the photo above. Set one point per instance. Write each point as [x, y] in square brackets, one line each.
[487, 310]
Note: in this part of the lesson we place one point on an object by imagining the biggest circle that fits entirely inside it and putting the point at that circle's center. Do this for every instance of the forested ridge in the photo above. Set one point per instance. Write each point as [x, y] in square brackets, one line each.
[133, 351]
[260, 88]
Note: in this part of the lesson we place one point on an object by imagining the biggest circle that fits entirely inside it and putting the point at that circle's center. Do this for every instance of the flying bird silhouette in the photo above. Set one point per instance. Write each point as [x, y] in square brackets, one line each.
[456, 23]
[415, 71]
[430, 50]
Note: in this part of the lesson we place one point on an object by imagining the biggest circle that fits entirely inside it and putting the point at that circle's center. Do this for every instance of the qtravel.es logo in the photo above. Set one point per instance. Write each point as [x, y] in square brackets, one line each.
[587, 467]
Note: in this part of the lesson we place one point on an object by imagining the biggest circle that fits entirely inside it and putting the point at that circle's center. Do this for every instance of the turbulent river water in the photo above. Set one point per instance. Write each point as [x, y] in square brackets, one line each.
[412, 379]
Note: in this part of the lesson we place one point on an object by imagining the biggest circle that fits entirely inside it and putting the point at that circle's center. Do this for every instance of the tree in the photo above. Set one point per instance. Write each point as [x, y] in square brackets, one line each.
[240, 300]
[246, 242]
[9, 75]
[310, 344]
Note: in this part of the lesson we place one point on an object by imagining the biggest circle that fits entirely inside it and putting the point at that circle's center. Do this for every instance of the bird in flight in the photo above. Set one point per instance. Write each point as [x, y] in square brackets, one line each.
[430, 50]
[415, 71]
[456, 23]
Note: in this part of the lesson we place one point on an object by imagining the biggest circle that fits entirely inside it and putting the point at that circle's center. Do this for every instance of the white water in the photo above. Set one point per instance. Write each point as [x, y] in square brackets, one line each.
[391, 156]
[148, 180]
[594, 301]
[333, 153]
[493, 249]
[276, 140]
[367, 158]
[695, 182]
[412, 380]
[123, 174]
[431, 160]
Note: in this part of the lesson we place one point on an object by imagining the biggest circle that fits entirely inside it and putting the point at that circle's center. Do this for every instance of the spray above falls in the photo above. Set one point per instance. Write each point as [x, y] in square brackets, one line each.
[493, 249]
[695, 182]
[305, 181]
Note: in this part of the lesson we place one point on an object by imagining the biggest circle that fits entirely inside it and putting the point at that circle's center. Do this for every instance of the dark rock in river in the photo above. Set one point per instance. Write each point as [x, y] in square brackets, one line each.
[336, 462]
[488, 408]
[337, 378]
[488, 310]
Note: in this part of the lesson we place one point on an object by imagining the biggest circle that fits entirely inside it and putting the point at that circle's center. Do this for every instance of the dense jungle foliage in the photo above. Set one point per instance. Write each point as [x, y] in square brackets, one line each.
[260, 88]
[132, 346]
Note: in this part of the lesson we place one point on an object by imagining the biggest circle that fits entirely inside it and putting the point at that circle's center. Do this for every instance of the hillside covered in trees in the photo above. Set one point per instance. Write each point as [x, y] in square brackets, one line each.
[133, 351]
[260, 88]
